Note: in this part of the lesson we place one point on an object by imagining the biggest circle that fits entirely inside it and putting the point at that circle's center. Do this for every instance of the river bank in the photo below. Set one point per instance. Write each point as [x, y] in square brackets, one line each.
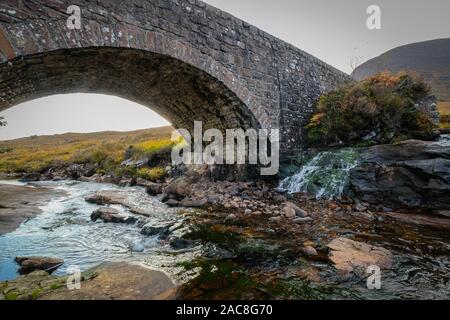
[19, 203]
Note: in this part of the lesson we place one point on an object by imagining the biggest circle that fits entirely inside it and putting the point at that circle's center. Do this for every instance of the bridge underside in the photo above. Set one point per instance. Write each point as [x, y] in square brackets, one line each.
[176, 90]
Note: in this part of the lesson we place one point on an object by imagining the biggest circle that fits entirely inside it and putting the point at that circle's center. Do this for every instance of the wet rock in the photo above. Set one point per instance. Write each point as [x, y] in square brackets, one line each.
[348, 255]
[162, 229]
[21, 203]
[291, 211]
[30, 264]
[412, 174]
[303, 220]
[98, 178]
[179, 188]
[140, 212]
[108, 281]
[110, 215]
[275, 219]
[75, 171]
[428, 221]
[127, 182]
[107, 197]
[360, 206]
[173, 203]
[310, 251]
[153, 189]
[444, 213]
[215, 199]
[193, 203]
[30, 177]
[47, 176]
[179, 244]
[231, 217]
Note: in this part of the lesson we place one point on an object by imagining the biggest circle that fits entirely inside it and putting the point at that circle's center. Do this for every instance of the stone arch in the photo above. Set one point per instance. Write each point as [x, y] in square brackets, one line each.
[176, 90]
[54, 60]
[275, 82]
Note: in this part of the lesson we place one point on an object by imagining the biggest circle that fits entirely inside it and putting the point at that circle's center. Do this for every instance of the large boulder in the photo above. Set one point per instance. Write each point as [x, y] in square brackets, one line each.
[161, 229]
[31, 264]
[291, 211]
[350, 256]
[412, 174]
[75, 171]
[107, 197]
[31, 177]
[110, 215]
[179, 188]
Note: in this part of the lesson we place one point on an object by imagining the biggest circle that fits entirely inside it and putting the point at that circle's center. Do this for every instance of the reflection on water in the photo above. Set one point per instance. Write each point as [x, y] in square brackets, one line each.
[65, 230]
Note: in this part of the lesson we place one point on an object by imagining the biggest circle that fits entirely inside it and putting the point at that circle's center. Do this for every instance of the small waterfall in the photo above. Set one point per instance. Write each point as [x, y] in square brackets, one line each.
[325, 176]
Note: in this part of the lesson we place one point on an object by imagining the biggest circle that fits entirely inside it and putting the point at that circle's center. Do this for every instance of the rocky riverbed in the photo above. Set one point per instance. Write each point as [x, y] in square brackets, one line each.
[240, 240]
[247, 242]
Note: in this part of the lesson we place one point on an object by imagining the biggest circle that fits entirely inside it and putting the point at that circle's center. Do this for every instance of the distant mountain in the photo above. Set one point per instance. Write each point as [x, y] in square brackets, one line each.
[431, 59]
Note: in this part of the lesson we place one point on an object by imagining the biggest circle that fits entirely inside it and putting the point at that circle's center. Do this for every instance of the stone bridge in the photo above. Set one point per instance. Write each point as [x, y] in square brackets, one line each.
[184, 59]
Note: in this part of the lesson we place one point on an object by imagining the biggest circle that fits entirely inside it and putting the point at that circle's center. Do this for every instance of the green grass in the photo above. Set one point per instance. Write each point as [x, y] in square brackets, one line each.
[152, 174]
[106, 149]
[444, 110]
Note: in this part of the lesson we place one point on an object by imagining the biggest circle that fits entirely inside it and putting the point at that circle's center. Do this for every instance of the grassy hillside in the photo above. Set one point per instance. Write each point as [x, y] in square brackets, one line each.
[444, 110]
[105, 149]
[431, 59]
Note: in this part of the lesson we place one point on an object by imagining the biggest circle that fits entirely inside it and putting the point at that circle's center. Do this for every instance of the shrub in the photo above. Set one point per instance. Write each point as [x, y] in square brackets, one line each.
[152, 174]
[383, 109]
[5, 149]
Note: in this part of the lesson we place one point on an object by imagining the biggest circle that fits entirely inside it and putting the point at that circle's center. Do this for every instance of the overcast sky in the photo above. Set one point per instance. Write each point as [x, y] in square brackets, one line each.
[334, 31]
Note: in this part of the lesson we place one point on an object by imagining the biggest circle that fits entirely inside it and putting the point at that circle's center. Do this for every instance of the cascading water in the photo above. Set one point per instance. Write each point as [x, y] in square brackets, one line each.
[64, 229]
[326, 175]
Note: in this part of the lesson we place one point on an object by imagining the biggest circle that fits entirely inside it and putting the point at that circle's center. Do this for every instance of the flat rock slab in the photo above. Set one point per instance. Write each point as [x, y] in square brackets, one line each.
[111, 215]
[422, 220]
[19, 203]
[111, 197]
[120, 281]
[108, 197]
[108, 281]
[348, 256]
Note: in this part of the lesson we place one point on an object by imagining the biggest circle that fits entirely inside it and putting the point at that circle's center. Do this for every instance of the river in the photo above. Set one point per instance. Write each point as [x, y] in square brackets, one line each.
[247, 259]
[64, 229]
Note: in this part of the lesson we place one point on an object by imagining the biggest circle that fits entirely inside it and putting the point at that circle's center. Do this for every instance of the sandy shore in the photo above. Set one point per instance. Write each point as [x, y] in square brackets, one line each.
[20, 203]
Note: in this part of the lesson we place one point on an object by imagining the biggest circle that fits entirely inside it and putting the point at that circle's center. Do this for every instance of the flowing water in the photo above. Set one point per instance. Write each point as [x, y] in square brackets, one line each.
[233, 261]
[64, 229]
[326, 175]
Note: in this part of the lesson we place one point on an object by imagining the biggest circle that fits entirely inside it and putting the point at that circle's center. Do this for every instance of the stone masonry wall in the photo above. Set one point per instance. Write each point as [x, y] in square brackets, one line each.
[277, 82]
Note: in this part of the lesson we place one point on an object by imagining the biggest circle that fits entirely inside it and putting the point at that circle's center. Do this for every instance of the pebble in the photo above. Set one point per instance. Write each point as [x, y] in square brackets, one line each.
[310, 251]
[275, 219]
